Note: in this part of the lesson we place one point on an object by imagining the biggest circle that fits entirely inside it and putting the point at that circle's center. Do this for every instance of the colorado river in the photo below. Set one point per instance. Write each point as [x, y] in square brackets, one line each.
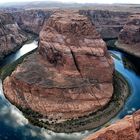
[13, 124]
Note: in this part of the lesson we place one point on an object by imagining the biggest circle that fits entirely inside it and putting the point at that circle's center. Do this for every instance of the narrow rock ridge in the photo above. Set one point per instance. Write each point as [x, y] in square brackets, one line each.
[71, 74]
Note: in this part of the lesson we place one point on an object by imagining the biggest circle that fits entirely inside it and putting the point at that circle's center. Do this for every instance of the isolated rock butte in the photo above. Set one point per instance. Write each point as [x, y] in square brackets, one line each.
[11, 36]
[129, 37]
[71, 74]
[126, 129]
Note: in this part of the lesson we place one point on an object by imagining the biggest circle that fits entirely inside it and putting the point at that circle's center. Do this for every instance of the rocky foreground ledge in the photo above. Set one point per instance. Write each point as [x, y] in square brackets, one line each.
[129, 37]
[126, 129]
[69, 77]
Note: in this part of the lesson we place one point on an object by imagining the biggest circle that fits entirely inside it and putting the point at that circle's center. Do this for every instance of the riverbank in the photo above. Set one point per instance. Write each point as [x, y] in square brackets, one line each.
[93, 120]
[133, 50]
[30, 38]
[9, 68]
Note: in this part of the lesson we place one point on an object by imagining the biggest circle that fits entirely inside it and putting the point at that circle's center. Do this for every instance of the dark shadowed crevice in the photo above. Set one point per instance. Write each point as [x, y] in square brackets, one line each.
[78, 69]
[75, 62]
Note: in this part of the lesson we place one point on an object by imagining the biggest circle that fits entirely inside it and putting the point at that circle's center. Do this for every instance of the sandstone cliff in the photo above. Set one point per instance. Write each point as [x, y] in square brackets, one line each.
[11, 36]
[126, 129]
[129, 36]
[32, 20]
[108, 23]
[71, 74]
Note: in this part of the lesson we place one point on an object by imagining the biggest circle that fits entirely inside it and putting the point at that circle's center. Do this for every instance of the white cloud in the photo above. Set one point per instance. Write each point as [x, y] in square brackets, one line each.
[13, 116]
[49, 135]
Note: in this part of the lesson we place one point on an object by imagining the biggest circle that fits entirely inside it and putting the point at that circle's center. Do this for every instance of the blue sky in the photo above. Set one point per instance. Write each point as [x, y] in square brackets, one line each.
[80, 1]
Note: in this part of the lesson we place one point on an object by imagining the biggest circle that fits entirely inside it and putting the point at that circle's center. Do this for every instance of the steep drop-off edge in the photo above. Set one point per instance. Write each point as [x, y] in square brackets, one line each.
[134, 51]
[129, 36]
[8, 69]
[90, 121]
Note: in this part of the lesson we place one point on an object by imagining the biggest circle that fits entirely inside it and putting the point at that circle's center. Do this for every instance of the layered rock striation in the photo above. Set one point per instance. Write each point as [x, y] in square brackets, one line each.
[108, 23]
[32, 20]
[11, 36]
[129, 36]
[126, 129]
[69, 77]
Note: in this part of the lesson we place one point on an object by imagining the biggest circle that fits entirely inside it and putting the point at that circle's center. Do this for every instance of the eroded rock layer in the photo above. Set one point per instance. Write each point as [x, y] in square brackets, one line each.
[32, 20]
[129, 37]
[107, 23]
[11, 36]
[71, 74]
[125, 129]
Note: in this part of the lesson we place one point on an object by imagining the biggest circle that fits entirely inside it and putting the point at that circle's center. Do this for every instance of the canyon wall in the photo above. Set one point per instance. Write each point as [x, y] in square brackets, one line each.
[108, 23]
[69, 77]
[11, 36]
[15, 26]
[32, 20]
[129, 36]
